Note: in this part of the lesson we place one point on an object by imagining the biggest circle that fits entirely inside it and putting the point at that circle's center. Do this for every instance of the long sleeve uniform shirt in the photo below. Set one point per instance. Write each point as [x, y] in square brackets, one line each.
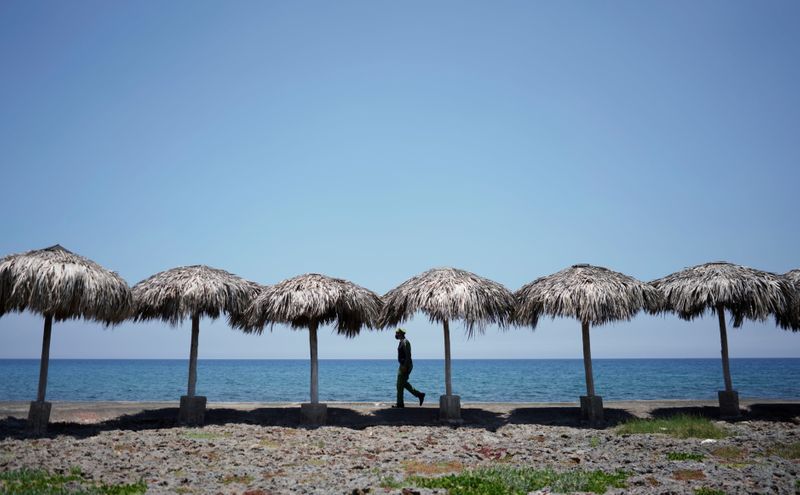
[404, 353]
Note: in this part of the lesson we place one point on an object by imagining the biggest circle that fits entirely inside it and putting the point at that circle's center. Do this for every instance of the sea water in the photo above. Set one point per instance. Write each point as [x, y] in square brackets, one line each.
[539, 380]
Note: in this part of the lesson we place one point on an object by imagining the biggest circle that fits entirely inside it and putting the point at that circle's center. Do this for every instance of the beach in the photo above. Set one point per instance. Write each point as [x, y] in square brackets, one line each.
[260, 448]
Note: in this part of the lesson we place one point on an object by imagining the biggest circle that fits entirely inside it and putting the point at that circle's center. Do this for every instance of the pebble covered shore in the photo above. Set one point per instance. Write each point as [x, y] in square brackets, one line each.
[238, 457]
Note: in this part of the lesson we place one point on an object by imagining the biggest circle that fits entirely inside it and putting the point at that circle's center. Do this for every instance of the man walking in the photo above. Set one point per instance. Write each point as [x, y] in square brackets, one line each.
[403, 372]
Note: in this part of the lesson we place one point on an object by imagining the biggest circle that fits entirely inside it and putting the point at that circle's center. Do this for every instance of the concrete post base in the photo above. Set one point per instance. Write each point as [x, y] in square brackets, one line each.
[728, 404]
[314, 414]
[592, 408]
[192, 411]
[450, 408]
[39, 417]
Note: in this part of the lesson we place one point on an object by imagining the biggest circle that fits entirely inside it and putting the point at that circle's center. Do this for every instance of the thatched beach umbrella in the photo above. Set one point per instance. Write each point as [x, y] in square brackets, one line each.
[791, 320]
[59, 285]
[191, 292]
[745, 292]
[593, 295]
[308, 301]
[447, 294]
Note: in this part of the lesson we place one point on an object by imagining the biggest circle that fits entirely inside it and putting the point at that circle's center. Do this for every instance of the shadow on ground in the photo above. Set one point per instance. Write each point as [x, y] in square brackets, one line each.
[762, 412]
[166, 417]
[565, 416]
[473, 417]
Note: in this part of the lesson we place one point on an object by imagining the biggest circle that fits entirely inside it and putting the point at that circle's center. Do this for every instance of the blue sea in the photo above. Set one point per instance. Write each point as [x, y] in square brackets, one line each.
[541, 380]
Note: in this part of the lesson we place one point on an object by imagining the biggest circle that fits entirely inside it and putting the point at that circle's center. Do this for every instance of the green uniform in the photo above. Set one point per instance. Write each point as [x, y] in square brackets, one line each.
[403, 372]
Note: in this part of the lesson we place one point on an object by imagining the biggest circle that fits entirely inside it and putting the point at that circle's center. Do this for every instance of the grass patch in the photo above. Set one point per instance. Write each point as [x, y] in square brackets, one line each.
[428, 469]
[594, 442]
[729, 453]
[680, 426]
[688, 474]
[708, 491]
[389, 482]
[40, 482]
[514, 481]
[204, 435]
[787, 451]
[242, 479]
[684, 456]
[270, 444]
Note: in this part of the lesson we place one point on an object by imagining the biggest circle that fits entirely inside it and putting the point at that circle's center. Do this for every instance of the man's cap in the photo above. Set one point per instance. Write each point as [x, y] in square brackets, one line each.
[400, 330]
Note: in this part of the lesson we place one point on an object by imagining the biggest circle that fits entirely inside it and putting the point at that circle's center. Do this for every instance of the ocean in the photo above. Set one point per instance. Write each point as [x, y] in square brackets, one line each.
[478, 380]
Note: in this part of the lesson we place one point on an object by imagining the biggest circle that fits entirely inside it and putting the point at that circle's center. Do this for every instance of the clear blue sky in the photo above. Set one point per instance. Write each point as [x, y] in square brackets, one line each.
[374, 140]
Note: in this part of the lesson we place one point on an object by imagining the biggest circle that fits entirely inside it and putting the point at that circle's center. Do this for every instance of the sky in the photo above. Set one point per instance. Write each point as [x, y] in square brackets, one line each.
[374, 140]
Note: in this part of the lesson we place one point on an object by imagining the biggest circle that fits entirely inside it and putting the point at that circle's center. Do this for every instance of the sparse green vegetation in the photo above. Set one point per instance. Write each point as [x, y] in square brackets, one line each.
[389, 482]
[242, 479]
[729, 453]
[40, 482]
[204, 435]
[787, 451]
[708, 491]
[680, 426]
[267, 443]
[684, 456]
[513, 481]
[594, 442]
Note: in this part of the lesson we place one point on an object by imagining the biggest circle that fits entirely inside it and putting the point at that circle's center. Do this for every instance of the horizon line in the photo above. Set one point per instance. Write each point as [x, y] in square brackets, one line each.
[378, 359]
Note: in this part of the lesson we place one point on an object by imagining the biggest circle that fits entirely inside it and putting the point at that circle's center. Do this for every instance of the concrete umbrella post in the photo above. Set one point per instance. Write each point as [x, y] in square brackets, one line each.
[591, 404]
[449, 404]
[39, 412]
[314, 413]
[192, 411]
[728, 398]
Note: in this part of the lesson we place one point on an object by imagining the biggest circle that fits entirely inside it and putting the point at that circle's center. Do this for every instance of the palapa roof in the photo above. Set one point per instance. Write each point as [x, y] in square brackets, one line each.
[746, 292]
[591, 294]
[57, 282]
[449, 294]
[312, 298]
[794, 277]
[183, 292]
[792, 318]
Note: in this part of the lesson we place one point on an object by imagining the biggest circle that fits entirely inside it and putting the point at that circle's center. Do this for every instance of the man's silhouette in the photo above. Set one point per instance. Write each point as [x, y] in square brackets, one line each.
[403, 372]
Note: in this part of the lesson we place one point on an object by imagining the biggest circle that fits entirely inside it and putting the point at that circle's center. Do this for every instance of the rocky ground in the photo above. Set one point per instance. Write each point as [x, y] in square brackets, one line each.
[368, 449]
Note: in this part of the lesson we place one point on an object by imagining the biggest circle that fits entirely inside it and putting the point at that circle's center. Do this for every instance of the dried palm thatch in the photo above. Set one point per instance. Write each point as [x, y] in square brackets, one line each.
[188, 291]
[446, 294]
[58, 283]
[791, 320]
[746, 292]
[313, 299]
[191, 292]
[61, 285]
[307, 301]
[591, 294]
